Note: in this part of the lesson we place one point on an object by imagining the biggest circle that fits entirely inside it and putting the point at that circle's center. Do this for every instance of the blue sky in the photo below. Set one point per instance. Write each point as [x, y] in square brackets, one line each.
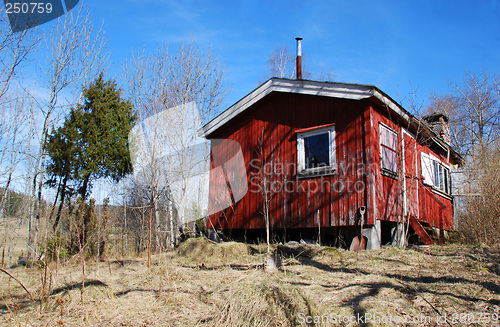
[394, 45]
[391, 44]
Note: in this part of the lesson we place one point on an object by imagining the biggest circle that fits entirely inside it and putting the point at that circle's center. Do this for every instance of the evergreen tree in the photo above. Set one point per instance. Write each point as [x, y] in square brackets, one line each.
[63, 147]
[92, 143]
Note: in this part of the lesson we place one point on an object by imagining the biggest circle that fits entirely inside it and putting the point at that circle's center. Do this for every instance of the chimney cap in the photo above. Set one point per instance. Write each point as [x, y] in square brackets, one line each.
[298, 38]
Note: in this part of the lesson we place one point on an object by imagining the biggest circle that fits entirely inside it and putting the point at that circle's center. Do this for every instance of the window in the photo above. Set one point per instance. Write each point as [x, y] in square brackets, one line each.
[388, 150]
[435, 173]
[316, 150]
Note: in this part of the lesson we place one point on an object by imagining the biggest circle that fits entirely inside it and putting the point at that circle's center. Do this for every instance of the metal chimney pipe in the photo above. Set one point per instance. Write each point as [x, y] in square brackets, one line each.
[299, 57]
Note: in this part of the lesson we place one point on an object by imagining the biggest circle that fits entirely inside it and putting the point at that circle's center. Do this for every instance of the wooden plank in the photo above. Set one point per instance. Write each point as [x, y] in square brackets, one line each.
[351, 162]
[420, 231]
[295, 205]
[368, 162]
[359, 187]
[372, 164]
[411, 174]
[343, 168]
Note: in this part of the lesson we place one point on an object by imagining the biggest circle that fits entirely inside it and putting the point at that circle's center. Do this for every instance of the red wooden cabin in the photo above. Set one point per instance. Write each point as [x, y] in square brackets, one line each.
[314, 153]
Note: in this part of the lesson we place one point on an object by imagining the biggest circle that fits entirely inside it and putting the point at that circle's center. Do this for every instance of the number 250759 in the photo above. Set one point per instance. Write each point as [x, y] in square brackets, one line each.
[28, 8]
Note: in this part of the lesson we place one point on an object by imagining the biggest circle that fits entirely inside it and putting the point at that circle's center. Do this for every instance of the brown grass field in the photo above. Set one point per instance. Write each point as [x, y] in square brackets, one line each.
[205, 284]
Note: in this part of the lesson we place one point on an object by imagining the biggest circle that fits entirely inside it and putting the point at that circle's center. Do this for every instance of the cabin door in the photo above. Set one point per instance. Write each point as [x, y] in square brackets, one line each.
[410, 169]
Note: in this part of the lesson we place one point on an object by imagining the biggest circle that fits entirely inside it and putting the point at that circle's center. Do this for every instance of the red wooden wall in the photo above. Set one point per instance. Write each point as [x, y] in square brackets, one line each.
[298, 202]
[429, 206]
[266, 133]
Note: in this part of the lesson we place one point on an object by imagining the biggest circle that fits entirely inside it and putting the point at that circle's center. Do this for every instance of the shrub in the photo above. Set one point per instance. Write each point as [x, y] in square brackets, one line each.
[55, 248]
[480, 223]
[88, 231]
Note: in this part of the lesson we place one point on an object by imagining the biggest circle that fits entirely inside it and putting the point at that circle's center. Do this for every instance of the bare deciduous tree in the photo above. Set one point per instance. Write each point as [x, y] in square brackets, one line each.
[15, 50]
[281, 63]
[12, 132]
[473, 108]
[147, 86]
[479, 221]
[75, 56]
[173, 94]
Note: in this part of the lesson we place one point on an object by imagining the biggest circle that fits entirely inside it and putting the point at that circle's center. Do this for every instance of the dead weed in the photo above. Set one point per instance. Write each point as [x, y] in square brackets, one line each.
[206, 284]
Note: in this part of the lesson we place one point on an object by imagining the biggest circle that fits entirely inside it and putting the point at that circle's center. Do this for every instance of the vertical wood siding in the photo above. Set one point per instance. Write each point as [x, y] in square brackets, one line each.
[331, 200]
[422, 202]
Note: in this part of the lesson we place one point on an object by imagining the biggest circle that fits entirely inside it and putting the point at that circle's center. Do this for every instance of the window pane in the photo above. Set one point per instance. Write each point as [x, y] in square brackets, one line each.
[316, 148]
[446, 181]
[389, 159]
[441, 178]
[388, 138]
[436, 173]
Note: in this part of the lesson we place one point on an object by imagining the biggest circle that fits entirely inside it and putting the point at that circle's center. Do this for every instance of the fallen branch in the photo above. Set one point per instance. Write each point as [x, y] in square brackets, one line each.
[10, 311]
[408, 286]
[14, 278]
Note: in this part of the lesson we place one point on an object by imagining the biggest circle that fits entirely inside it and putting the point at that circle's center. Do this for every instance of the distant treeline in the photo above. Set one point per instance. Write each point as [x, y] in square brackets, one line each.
[13, 201]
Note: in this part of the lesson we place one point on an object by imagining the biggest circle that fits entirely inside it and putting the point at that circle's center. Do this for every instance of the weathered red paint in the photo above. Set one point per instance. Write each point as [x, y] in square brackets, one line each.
[267, 132]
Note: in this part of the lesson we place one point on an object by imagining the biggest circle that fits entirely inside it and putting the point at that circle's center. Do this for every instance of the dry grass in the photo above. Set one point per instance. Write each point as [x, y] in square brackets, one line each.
[204, 284]
[14, 237]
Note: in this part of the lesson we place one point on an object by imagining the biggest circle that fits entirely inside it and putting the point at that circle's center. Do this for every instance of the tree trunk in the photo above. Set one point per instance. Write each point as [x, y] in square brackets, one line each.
[61, 203]
[172, 229]
[150, 228]
[4, 196]
[157, 227]
[83, 189]
[55, 200]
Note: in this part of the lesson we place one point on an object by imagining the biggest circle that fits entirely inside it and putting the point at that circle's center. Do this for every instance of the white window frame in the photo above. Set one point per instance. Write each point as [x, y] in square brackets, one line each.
[301, 163]
[436, 179]
[388, 171]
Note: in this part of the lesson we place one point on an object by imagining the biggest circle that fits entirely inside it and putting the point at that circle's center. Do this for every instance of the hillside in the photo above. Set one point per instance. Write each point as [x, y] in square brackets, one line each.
[205, 284]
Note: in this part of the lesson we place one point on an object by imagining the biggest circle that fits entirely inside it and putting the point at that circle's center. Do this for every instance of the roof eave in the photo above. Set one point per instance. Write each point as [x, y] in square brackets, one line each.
[336, 90]
[328, 89]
